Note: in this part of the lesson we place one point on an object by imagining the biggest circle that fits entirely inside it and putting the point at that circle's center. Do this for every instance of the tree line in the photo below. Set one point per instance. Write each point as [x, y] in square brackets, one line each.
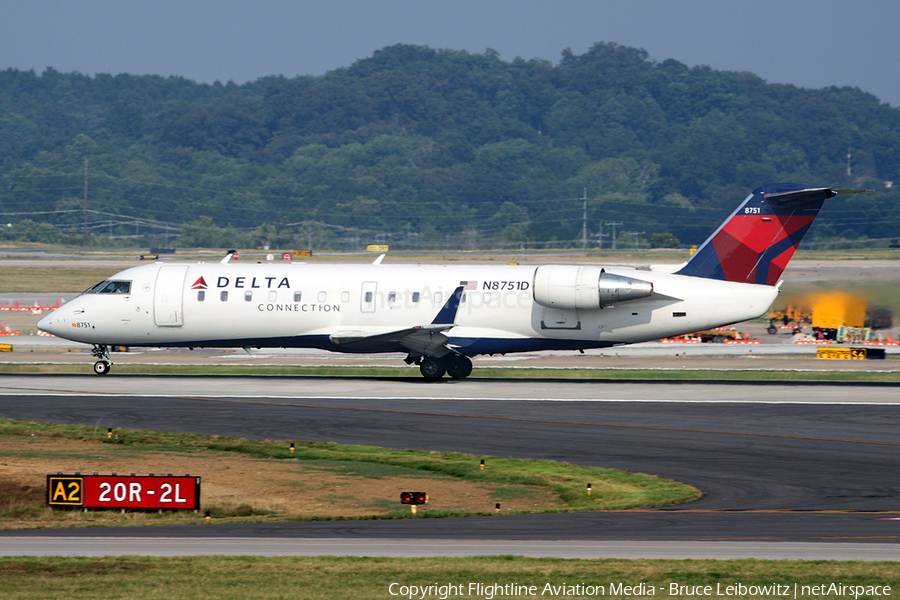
[426, 149]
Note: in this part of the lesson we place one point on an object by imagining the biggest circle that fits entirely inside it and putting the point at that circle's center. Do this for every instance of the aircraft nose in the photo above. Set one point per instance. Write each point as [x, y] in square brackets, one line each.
[49, 324]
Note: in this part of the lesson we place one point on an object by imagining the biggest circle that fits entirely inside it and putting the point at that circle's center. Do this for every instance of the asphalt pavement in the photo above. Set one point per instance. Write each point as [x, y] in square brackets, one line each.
[773, 471]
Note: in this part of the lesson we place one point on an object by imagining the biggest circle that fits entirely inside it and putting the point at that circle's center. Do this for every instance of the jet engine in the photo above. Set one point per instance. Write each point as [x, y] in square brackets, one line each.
[571, 287]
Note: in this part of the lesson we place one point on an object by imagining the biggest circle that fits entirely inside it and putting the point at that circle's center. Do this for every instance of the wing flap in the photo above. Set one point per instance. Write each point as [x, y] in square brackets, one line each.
[426, 340]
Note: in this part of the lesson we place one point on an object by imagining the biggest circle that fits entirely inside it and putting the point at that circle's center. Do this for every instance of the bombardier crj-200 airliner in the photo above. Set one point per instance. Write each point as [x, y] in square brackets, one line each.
[440, 315]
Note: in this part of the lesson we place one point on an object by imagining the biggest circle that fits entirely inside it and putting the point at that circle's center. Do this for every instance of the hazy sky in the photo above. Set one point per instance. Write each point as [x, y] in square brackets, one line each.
[809, 43]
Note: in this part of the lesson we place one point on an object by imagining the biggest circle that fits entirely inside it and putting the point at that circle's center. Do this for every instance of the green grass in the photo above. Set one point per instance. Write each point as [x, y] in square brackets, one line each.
[321, 578]
[68, 279]
[479, 372]
[612, 490]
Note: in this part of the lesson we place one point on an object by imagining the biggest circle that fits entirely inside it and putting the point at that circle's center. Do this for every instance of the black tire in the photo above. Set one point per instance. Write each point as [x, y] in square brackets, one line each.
[432, 368]
[101, 367]
[458, 366]
[772, 329]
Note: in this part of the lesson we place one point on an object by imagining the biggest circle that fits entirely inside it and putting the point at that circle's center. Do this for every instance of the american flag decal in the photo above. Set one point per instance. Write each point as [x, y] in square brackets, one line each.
[469, 285]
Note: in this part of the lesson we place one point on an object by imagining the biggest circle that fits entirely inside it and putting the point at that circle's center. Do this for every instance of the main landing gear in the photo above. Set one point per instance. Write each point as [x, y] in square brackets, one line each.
[456, 366]
[101, 353]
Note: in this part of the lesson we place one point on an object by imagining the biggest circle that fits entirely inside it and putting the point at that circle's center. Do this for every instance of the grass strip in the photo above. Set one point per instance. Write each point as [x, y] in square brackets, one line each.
[611, 489]
[320, 578]
[50, 280]
[480, 372]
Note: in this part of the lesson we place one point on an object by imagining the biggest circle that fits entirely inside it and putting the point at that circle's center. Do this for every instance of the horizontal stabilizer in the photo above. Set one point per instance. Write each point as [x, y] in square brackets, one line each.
[796, 198]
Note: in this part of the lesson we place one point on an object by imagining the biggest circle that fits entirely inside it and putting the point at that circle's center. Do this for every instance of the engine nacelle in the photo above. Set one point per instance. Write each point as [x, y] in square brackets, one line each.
[585, 287]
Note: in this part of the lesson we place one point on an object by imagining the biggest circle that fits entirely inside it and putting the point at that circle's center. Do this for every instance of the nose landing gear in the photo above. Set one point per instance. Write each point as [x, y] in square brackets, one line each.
[103, 364]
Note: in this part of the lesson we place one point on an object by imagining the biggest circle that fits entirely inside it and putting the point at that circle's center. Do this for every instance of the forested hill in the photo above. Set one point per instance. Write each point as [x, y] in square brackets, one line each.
[424, 148]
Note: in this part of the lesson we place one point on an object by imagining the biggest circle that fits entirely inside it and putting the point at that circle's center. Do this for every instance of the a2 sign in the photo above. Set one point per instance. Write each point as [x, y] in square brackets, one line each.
[115, 491]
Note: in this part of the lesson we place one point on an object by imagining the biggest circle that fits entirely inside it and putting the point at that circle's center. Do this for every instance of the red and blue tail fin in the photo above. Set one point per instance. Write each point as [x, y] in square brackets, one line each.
[756, 242]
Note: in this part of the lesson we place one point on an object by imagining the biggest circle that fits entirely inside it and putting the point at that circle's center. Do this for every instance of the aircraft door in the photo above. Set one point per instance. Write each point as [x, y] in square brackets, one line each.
[367, 298]
[168, 296]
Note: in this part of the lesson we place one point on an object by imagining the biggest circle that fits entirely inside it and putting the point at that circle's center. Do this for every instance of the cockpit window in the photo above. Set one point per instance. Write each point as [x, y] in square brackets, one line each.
[111, 287]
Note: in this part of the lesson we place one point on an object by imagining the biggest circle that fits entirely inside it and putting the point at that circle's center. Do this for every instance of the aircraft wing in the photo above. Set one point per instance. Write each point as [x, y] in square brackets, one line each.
[423, 339]
[428, 340]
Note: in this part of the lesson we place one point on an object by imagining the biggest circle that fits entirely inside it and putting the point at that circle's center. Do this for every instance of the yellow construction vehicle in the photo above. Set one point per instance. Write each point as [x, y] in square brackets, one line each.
[835, 315]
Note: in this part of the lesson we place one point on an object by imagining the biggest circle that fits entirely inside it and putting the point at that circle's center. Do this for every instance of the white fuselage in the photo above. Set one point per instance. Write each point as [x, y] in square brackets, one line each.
[311, 305]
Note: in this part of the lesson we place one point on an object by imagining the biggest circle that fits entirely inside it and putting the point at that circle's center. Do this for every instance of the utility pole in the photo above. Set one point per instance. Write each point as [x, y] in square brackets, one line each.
[637, 238]
[84, 242]
[614, 224]
[849, 170]
[600, 235]
[584, 220]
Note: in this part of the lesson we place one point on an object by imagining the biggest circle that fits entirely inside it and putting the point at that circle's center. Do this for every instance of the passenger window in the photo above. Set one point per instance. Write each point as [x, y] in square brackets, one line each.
[392, 297]
[273, 295]
[368, 297]
[415, 298]
[248, 296]
[322, 296]
[223, 296]
[201, 296]
[438, 297]
[296, 296]
[487, 297]
[345, 296]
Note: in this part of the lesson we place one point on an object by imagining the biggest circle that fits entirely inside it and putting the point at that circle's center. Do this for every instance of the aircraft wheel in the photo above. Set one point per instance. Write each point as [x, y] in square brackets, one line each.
[101, 367]
[459, 366]
[772, 329]
[432, 368]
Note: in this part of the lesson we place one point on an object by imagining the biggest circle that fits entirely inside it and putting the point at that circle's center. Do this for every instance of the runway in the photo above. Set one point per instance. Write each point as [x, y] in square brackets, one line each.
[784, 468]
[183, 546]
